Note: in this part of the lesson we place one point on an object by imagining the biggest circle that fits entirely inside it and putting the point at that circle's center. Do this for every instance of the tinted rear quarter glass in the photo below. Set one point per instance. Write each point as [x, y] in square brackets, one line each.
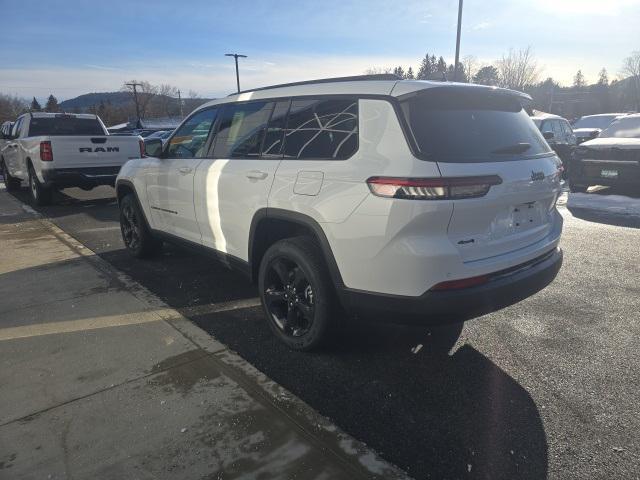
[452, 125]
[322, 129]
[56, 126]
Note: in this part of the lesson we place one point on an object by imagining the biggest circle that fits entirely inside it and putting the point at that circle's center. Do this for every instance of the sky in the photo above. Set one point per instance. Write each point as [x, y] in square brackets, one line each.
[72, 47]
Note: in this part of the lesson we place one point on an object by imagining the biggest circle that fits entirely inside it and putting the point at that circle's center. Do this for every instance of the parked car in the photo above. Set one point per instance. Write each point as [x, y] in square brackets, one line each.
[162, 134]
[558, 133]
[611, 159]
[59, 150]
[414, 201]
[590, 126]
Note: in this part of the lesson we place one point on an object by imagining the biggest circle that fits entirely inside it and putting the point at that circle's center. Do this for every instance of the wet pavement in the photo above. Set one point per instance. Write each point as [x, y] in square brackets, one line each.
[543, 389]
[100, 379]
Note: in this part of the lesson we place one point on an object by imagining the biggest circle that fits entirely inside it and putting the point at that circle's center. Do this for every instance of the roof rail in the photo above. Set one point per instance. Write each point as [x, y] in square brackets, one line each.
[354, 78]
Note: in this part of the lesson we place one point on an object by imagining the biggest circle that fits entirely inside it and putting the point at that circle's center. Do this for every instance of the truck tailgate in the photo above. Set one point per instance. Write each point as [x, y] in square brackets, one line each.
[101, 151]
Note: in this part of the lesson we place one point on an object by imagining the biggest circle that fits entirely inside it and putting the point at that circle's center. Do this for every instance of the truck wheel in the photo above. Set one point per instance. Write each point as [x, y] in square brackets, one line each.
[12, 184]
[135, 234]
[297, 294]
[40, 194]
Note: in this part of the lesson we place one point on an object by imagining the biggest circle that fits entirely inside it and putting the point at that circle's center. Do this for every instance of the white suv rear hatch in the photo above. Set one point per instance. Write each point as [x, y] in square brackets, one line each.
[485, 132]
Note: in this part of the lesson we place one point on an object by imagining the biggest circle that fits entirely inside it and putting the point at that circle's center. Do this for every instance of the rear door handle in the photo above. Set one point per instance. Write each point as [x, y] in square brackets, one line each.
[185, 170]
[257, 175]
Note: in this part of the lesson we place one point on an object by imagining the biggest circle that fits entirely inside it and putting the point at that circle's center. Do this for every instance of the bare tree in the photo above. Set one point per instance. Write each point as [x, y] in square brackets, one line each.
[470, 65]
[631, 69]
[518, 69]
[378, 70]
[146, 92]
[166, 101]
[11, 106]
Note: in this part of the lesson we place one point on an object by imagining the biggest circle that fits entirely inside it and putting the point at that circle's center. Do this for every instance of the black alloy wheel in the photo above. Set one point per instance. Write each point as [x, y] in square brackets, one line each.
[297, 293]
[289, 297]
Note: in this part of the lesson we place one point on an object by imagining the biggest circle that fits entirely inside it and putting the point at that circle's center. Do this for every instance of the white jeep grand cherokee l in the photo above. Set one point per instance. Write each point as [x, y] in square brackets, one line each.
[412, 200]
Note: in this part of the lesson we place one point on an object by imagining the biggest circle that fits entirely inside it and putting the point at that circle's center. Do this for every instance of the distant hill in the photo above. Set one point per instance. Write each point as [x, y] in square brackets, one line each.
[116, 100]
[83, 102]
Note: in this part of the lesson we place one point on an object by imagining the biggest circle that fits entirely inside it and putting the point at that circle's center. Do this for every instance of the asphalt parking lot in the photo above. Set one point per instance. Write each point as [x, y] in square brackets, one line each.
[543, 389]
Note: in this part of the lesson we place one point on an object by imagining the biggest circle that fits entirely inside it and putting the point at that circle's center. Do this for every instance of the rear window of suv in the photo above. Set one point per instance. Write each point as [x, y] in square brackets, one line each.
[56, 126]
[452, 125]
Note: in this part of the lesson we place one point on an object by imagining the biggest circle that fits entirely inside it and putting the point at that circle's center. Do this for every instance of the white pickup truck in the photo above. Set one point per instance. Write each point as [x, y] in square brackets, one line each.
[60, 150]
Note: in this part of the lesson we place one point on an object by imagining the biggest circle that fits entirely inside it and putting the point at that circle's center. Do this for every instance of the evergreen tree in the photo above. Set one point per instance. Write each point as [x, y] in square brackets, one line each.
[427, 68]
[399, 72]
[579, 80]
[441, 67]
[603, 77]
[409, 75]
[487, 76]
[35, 106]
[52, 104]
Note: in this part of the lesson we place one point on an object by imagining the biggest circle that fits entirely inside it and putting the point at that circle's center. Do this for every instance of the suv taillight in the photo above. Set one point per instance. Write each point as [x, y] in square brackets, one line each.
[432, 188]
[46, 154]
[141, 143]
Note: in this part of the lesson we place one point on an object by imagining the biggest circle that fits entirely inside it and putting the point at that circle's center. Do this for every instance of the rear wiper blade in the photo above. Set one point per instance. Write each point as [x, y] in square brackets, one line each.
[515, 148]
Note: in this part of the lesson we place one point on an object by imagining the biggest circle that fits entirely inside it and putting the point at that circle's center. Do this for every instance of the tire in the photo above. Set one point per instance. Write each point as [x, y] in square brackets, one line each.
[297, 294]
[442, 339]
[40, 195]
[577, 188]
[135, 233]
[12, 184]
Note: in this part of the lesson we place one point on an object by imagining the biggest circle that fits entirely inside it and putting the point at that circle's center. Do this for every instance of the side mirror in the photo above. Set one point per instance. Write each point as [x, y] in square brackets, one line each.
[548, 135]
[594, 134]
[153, 147]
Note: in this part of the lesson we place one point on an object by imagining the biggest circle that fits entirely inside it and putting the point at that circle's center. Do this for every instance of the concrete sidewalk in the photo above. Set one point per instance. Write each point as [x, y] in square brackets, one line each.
[100, 379]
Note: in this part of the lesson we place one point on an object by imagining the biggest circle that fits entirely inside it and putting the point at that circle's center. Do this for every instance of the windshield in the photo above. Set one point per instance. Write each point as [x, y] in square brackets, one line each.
[627, 127]
[452, 125]
[595, 121]
[56, 126]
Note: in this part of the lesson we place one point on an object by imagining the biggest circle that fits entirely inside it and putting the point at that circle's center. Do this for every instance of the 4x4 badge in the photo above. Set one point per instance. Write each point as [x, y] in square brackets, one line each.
[537, 176]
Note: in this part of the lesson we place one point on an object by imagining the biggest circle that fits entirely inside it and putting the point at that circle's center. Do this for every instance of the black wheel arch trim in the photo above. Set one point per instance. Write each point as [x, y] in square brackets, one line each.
[304, 221]
[130, 185]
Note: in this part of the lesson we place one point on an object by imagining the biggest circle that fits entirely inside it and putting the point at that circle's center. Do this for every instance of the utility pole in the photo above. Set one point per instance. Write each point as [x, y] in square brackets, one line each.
[134, 85]
[236, 56]
[180, 102]
[455, 68]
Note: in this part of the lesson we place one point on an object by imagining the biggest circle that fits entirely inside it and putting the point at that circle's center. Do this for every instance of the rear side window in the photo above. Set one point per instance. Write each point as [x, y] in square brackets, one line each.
[241, 130]
[56, 126]
[274, 138]
[322, 129]
[452, 125]
[190, 138]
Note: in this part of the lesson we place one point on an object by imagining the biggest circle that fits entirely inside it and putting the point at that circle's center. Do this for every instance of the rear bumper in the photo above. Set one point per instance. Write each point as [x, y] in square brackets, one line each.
[503, 289]
[80, 177]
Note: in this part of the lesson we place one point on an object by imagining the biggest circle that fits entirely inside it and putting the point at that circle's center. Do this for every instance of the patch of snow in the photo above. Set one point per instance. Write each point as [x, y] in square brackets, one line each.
[617, 204]
[416, 349]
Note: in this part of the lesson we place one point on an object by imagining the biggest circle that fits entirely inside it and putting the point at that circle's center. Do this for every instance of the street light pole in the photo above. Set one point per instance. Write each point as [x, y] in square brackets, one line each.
[455, 69]
[236, 56]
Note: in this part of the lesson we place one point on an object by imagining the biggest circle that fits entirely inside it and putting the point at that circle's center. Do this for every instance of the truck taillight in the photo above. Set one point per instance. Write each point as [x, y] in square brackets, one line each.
[432, 188]
[141, 143]
[46, 154]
